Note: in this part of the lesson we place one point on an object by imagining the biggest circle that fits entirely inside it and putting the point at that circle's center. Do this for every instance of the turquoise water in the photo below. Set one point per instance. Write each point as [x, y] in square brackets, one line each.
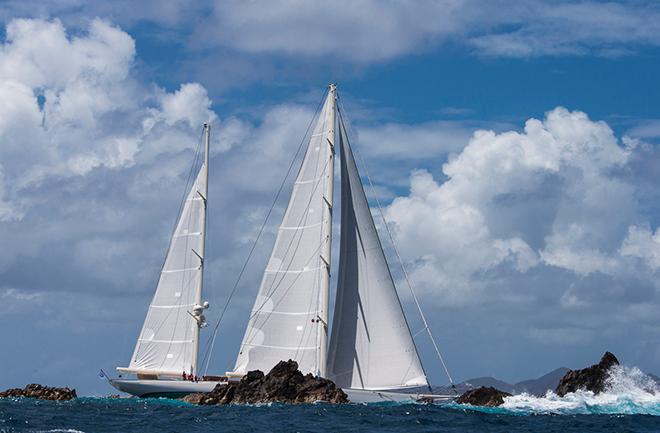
[161, 415]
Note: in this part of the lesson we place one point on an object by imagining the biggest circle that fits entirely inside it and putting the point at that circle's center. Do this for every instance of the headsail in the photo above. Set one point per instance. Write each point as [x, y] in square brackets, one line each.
[371, 346]
[289, 317]
[168, 342]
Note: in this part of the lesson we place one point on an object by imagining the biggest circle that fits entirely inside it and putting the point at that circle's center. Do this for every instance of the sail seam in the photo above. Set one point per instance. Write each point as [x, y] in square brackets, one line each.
[181, 235]
[285, 313]
[180, 270]
[289, 271]
[281, 347]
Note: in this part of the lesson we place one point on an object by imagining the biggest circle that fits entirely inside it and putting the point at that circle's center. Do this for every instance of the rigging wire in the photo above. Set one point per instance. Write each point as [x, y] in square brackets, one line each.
[211, 341]
[398, 256]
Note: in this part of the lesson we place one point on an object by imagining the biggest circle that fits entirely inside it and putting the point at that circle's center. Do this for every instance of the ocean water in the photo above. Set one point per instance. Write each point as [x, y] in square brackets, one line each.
[632, 404]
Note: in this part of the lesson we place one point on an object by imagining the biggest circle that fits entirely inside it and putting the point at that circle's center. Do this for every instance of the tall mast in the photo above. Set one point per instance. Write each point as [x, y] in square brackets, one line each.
[326, 251]
[202, 253]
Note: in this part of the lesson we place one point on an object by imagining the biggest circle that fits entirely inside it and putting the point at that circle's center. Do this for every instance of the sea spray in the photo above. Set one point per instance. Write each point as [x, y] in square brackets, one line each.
[628, 391]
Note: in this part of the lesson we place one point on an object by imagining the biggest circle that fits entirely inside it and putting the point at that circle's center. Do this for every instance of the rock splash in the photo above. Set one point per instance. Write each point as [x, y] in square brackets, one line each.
[34, 390]
[483, 396]
[592, 378]
[284, 384]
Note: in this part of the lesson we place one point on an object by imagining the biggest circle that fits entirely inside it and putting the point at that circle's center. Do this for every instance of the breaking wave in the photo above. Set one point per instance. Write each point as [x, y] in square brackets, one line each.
[629, 391]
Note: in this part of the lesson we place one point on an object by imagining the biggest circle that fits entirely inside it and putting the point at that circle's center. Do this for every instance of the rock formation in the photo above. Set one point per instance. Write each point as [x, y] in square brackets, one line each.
[284, 384]
[34, 390]
[483, 396]
[592, 378]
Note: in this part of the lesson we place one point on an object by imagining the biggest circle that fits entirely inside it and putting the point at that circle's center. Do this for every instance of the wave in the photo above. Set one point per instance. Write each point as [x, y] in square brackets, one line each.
[628, 391]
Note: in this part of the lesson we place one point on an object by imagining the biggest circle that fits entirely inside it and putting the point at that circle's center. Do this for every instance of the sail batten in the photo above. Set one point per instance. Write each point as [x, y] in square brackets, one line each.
[371, 346]
[290, 311]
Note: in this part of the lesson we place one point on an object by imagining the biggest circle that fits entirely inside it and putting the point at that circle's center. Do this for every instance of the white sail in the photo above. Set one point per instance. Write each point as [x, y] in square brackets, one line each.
[168, 342]
[289, 317]
[371, 346]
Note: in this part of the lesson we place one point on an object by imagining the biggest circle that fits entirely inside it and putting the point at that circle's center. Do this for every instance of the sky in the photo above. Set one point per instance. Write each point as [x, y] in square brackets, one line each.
[514, 147]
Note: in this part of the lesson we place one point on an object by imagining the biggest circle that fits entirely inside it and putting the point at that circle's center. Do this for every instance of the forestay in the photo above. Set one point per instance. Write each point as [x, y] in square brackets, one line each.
[288, 320]
[371, 346]
[167, 342]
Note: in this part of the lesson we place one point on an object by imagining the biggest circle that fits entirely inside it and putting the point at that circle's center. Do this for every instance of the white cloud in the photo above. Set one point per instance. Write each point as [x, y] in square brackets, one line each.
[190, 103]
[70, 104]
[537, 28]
[643, 243]
[362, 31]
[368, 31]
[548, 195]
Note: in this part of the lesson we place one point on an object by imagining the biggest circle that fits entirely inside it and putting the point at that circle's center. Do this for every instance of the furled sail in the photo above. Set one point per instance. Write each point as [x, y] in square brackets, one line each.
[371, 346]
[289, 317]
[169, 338]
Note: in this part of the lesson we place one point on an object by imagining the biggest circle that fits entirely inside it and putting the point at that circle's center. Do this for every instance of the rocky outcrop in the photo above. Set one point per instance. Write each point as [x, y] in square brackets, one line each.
[483, 396]
[284, 384]
[592, 378]
[34, 390]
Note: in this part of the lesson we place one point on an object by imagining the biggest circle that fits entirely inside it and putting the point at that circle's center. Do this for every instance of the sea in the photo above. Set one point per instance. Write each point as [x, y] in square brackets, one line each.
[632, 404]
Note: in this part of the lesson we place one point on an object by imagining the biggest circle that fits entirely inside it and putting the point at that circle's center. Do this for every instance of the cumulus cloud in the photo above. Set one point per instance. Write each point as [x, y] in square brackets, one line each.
[643, 243]
[69, 104]
[87, 151]
[93, 163]
[549, 195]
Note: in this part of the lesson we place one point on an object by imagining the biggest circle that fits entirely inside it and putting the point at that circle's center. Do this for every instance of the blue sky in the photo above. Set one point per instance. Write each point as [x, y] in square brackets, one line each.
[515, 148]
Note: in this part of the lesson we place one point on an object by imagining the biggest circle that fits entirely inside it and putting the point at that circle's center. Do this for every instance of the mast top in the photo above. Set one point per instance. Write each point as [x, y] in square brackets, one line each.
[332, 87]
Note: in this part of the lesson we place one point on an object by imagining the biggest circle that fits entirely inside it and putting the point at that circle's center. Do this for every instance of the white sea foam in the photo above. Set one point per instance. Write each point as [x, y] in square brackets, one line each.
[629, 391]
[61, 430]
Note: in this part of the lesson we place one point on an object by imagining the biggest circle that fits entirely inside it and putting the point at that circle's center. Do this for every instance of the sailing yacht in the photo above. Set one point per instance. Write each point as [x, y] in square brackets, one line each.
[164, 361]
[371, 354]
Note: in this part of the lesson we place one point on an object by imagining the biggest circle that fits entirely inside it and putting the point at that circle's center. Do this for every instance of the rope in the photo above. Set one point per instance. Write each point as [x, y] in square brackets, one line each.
[211, 342]
[405, 272]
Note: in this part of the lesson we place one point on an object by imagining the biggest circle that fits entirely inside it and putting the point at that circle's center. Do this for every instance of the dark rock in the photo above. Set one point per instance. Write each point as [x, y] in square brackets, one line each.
[34, 390]
[284, 384]
[592, 378]
[483, 396]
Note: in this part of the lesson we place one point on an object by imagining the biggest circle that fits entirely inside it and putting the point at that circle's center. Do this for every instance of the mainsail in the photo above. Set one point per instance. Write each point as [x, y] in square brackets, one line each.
[371, 345]
[290, 315]
[168, 342]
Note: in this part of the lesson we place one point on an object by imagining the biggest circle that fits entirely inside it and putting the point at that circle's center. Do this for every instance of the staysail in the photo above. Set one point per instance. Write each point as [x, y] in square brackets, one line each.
[371, 346]
[168, 342]
[290, 314]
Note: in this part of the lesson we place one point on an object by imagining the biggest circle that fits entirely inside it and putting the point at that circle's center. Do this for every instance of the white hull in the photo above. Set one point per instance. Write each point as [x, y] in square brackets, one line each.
[162, 387]
[401, 396]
